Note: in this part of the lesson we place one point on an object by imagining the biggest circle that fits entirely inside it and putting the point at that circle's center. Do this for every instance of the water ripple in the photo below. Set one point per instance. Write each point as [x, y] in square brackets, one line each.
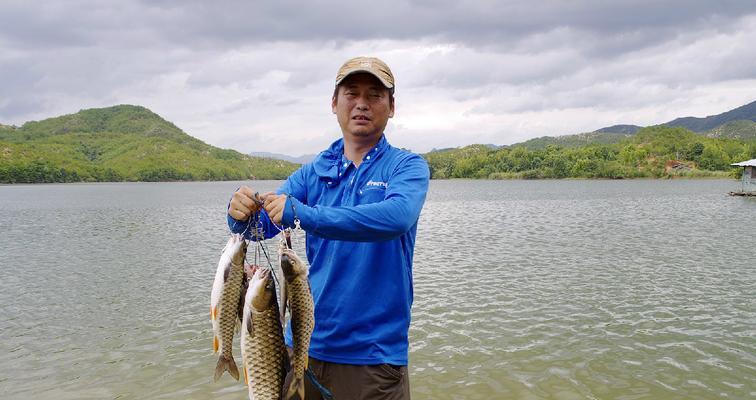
[527, 290]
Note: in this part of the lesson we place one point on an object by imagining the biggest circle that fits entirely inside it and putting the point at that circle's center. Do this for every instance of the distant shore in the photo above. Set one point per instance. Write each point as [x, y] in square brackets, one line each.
[707, 177]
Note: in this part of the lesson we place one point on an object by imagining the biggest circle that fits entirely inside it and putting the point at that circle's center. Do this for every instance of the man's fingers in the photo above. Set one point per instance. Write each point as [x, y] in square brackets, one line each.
[274, 206]
[247, 191]
[278, 208]
[268, 206]
[277, 214]
[237, 215]
[248, 202]
[268, 197]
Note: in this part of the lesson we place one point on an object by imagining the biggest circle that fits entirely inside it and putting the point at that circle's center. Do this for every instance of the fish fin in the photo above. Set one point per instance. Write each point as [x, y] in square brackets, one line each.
[287, 383]
[250, 327]
[233, 370]
[226, 364]
[216, 344]
[294, 387]
[246, 377]
[243, 296]
[283, 296]
[226, 272]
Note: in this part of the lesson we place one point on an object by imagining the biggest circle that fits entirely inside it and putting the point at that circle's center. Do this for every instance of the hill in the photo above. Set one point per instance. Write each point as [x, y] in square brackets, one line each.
[625, 129]
[739, 129]
[654, 152]
[303, 159]
[746, 112]
[120, 143]
[581, 139]
[734, 124]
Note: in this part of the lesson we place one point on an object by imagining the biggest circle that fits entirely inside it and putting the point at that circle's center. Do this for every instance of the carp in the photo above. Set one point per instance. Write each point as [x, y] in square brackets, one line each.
[225, 305]
[302, 320]
[262, 343]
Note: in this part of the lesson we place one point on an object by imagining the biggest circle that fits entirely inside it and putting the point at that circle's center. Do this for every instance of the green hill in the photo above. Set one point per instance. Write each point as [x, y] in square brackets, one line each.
[581, 139]
[626, 129]
[120, 143]
[737, 123]
[739, 129]
[654, 152]
[745, 112]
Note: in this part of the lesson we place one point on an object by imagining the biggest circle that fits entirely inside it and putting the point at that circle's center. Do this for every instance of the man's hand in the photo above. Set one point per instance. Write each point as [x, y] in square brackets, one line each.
[274, 206]
[244, 203]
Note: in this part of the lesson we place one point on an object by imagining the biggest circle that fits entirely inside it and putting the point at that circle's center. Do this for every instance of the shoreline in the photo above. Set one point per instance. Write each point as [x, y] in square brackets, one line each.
[670, 178]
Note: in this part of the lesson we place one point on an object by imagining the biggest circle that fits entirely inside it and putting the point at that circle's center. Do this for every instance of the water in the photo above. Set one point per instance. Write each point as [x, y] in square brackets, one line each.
[524, 290]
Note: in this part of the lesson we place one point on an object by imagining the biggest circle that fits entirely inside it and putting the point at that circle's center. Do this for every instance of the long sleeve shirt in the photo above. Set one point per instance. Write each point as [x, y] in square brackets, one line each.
[360, 228]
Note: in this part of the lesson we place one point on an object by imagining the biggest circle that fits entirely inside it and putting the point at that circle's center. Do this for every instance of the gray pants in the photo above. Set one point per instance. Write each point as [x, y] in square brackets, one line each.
[359, 382]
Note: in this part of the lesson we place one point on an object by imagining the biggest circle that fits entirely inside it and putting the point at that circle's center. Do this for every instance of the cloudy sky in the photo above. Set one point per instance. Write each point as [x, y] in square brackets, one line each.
[258, 75]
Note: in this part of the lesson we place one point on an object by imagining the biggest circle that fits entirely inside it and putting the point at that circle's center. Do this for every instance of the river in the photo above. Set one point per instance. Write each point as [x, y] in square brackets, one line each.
[642, 289]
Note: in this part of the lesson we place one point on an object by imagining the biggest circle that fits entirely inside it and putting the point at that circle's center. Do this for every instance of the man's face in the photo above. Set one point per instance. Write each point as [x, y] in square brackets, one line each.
[362, 106]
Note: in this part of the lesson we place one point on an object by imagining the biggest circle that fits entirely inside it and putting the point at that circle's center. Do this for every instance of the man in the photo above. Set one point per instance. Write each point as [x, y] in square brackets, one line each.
[359, 202]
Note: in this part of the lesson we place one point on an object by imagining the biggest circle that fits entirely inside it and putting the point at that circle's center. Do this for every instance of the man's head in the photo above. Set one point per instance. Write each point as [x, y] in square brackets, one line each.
[363, 99]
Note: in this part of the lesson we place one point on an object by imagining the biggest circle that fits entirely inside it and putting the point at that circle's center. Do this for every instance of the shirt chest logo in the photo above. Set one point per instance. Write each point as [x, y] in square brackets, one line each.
[375, 185]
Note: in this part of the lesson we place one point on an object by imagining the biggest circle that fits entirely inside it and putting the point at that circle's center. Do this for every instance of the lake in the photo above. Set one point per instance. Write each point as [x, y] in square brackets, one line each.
[568, 289]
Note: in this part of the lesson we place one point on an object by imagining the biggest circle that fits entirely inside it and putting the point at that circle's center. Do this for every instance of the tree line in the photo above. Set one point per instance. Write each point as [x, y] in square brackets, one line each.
[653, 152]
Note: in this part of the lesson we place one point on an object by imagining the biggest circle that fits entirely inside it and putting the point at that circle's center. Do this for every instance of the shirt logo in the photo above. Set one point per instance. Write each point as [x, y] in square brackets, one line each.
[376, 184]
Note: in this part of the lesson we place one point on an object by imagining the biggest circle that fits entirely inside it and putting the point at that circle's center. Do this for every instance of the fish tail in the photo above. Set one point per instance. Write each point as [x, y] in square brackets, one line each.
[295, 388]
[226, 364]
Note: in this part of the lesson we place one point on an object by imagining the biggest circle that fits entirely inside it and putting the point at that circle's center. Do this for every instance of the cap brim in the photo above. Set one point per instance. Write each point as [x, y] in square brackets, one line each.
[367, 71]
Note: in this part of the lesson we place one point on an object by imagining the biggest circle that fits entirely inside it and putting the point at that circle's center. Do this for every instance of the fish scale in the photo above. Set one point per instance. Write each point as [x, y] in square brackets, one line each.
[262, 342]
[302, 319]
[224, 311]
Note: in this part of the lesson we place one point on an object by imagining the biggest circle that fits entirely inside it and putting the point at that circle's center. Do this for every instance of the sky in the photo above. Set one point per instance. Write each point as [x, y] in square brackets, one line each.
[258, 76]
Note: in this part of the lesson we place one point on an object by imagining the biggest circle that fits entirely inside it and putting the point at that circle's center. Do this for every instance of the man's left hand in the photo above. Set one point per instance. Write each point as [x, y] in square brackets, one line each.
[274, 206]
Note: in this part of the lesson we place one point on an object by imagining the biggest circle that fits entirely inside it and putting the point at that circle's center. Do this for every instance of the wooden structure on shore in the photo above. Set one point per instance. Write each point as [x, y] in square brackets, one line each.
[748, 181]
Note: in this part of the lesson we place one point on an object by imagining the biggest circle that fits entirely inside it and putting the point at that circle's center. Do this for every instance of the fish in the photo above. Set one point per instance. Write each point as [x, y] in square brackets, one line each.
[302, 321]
[225, 305]
[262, 343]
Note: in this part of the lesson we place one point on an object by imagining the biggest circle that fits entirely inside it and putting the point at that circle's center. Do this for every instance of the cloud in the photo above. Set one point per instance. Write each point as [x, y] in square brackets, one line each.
[258, 76]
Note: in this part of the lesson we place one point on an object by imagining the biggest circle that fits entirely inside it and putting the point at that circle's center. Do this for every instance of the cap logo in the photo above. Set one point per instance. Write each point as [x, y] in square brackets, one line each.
[366, 64]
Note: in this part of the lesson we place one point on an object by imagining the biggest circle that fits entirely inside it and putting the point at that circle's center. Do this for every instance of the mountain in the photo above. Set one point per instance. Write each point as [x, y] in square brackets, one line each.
[738, 129]
[581, 139]
[120, 143]
[746, 112]
[624, 129]
[303, 159]
[654, 152]
[738, 123]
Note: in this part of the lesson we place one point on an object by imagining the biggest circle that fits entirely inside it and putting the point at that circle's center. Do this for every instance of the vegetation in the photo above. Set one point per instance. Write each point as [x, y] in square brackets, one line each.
[121, 143]
[654, 152]
[738, 129]
[745, 112]
[131, 143]
[579, 140]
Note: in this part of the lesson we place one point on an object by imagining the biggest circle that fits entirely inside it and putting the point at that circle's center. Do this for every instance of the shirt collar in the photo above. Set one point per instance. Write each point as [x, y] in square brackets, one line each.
[332, 162]
[369, 156]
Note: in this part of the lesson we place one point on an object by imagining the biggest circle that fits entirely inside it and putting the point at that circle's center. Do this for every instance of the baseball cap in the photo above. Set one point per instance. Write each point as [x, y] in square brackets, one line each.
[371, 65]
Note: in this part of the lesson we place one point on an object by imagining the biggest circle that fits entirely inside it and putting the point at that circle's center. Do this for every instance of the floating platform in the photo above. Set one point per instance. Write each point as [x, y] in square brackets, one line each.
[748, 194]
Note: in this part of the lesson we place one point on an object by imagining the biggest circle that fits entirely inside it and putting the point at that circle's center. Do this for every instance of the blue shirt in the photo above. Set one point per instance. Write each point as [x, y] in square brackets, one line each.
[360, 225]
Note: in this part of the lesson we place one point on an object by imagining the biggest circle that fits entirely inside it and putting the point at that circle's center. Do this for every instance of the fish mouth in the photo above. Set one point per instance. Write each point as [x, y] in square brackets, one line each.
[288, 265]
[285, 258]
